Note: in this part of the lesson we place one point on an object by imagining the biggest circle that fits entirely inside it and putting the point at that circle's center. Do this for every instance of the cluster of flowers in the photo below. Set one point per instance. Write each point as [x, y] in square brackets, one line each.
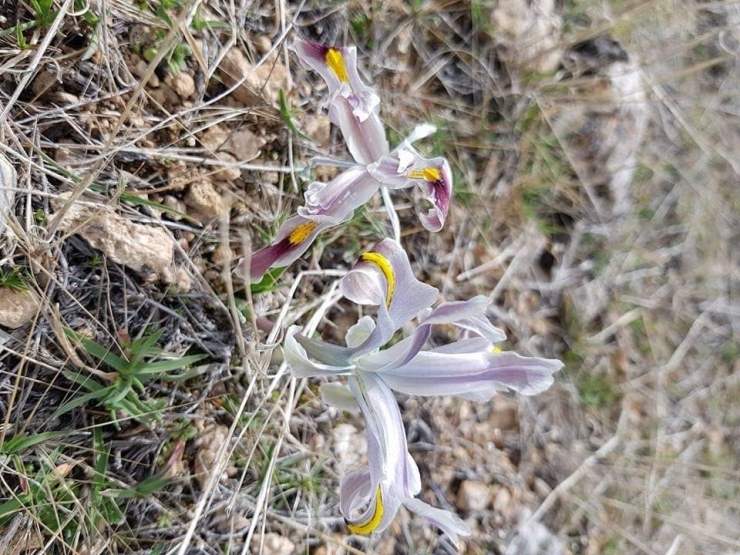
[471, 367]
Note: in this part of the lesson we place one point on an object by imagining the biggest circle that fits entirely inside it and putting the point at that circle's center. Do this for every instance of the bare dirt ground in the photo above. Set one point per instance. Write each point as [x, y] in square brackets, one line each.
[146, 146]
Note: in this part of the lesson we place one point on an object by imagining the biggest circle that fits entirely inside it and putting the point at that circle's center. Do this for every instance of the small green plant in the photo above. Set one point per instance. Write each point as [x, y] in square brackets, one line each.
[597, 391]
[44, 13]
[14, 279]
[140, 363]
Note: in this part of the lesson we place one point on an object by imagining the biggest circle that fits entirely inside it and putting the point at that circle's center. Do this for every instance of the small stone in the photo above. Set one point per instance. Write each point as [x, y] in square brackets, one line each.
[473, 496]
[222, 255]
[165, 96]
[318, 128]
[502, 500]
[43, 82]
[182, 83]
[213, 138]
[349, 445]
[263, 44]
[244, 145]
[211, 439]
[180, 176]
[143, 248]
[228, 172]
[253, 85]
[182, 281]
[203, 197]
[171, 201]
[17, 308]
[272, 544]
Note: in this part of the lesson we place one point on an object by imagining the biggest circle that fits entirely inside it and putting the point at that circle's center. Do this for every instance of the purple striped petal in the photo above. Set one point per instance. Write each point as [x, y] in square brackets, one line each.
[405, 167]
[471, 375]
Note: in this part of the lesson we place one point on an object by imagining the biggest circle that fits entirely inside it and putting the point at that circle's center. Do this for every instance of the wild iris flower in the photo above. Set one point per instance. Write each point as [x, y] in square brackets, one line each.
[471, 367]
[354, 108]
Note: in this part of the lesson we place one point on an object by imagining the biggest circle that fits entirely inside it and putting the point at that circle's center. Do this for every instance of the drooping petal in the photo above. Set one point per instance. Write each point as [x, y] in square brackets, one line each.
[405, 167]
[292, 240]
[301, 365]
[471, 375]
[468, 315]
[367, 505]
[341, 196]
[449, 523]
[353, 106]
[365, 138]
[325, 207]
[388, 455]
[383, 277]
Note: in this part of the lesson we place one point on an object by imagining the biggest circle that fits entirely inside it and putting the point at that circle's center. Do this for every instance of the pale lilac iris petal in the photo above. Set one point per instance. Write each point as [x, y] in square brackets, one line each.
[353, 106]
[365, 138]
[476, 376]
[405, 167]
[341, 196]
[325, 353]
[450, 524]
[383, 277]
[339, 397]
[388, 452]
[301, 365]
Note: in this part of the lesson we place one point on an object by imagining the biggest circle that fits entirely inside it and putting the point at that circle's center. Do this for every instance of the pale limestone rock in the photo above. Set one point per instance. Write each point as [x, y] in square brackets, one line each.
[253, 86]
[318, 128]
[272, 544]
[473, 496]
[213, 138]
[17, 308]
[243, 144]
[182, 83]
[203, 198]
[529, 31]
[143, 248]
[211, 439]
[228, 172]
[349, 445]
[502, 500]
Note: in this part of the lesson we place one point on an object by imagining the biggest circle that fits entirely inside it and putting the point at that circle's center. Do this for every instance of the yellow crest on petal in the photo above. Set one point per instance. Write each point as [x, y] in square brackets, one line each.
[430, 175]
[369, 525]
[385, 267]
[335, 62]
[301, 233]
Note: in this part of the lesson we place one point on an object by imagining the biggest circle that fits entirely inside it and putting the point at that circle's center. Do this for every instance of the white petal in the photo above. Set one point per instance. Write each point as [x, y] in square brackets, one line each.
[339, 396]
[477, 376]
[449, 523]
[299, 363]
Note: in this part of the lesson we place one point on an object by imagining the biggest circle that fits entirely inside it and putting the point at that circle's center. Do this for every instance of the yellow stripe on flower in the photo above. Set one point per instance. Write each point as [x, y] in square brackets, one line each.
[430, 175]
[335, 62]
[385, 267]
[301, 233]
[496, 350]
[365, 528]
